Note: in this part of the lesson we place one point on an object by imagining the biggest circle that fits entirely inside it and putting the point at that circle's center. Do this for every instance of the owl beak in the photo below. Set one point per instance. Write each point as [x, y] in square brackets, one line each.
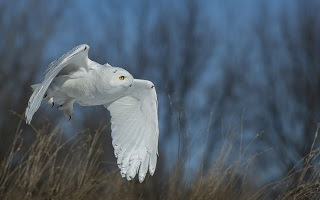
[130, 85]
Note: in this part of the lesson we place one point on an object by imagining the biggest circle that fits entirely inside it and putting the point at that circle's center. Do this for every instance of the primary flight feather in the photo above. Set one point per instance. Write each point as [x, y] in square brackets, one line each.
[132, 104]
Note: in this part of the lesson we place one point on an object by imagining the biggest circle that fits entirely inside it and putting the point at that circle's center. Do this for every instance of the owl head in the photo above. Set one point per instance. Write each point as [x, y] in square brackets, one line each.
[121, 79]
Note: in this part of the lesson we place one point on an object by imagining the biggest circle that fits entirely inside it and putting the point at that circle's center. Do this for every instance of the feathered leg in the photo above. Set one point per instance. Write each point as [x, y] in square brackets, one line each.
[67, 107]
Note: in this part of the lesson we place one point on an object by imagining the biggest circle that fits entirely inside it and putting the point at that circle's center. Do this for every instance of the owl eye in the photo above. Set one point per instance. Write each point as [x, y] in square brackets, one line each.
[121, 78]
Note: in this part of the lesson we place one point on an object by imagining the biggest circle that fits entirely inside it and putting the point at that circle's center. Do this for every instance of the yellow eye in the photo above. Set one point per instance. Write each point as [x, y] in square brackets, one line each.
[121, 78]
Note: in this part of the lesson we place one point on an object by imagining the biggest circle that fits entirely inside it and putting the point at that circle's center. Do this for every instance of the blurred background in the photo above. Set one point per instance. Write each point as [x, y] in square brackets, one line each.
[250, 69]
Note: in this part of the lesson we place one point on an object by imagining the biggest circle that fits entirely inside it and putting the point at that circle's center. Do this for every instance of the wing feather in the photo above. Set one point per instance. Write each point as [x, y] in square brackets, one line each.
[77, 55]
[144, 156]
[134, 125]
[130, 155]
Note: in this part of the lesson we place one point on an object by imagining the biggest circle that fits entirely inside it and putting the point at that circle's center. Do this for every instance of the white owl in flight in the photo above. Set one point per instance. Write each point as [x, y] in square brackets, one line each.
[132, 104]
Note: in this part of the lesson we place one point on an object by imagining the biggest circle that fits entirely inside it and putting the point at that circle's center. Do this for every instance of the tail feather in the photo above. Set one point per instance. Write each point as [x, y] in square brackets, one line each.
[35, 86]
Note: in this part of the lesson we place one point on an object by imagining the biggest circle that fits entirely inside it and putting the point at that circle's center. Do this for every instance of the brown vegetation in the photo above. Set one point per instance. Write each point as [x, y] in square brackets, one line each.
[52, 167]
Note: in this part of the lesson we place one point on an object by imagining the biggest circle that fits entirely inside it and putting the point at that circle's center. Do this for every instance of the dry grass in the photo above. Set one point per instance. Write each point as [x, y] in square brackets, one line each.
[41, 171]
[53, 168]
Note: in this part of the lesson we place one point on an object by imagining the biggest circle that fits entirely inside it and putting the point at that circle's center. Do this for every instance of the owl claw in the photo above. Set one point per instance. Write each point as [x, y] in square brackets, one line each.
[69, 118]
[52, 104]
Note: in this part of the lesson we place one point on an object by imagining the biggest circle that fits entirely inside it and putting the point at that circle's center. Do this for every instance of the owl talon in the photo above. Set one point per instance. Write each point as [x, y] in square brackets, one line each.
[69, 118]
[52, 104]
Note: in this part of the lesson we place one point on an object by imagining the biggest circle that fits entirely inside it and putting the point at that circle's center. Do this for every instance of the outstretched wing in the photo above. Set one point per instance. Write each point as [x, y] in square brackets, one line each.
[75, 58]
[134, 126]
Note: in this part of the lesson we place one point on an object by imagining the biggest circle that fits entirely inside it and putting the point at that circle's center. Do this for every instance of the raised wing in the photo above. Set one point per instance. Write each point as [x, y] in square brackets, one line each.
[134, 125]
[76, 57]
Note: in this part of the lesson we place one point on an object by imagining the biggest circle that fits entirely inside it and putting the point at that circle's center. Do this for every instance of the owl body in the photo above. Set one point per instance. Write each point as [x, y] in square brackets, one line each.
[92, 87]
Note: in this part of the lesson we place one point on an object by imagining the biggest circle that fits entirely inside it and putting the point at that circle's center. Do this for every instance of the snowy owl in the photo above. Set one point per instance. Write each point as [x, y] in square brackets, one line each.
[132, 104]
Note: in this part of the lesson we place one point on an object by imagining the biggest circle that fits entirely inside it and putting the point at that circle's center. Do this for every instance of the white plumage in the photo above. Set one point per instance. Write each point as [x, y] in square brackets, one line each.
[132, 104]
